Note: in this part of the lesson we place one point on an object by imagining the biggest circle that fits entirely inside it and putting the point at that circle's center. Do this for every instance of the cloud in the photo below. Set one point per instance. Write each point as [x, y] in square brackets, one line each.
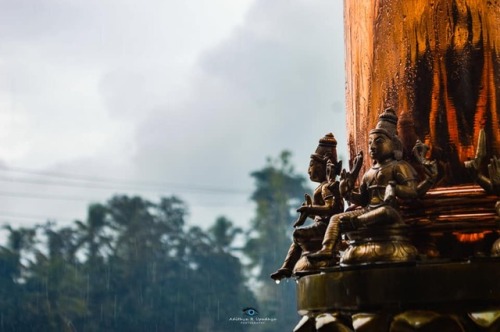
[67, 67]
[118, 89]
[277, 83]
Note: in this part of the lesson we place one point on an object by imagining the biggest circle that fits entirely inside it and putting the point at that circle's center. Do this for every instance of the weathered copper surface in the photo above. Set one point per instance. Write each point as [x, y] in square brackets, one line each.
[437, 62]
[451, 208]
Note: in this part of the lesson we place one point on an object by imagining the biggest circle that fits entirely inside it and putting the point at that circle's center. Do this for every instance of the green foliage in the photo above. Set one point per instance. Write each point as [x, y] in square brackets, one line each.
[132, 265]
[278, 193]
[223, 233]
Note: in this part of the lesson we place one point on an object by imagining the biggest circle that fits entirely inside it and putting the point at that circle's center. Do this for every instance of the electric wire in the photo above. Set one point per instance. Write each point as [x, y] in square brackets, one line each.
[44, 197]
[66, 179]
[34, 217]
[95, 199]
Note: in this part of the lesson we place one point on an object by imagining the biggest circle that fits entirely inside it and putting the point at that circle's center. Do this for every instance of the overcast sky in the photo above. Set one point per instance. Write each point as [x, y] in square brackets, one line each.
[156, 97]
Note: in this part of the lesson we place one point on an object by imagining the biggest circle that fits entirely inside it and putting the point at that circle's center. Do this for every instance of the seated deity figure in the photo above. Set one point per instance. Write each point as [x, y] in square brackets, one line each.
[325, 201]
[491, 183]
[388, 179]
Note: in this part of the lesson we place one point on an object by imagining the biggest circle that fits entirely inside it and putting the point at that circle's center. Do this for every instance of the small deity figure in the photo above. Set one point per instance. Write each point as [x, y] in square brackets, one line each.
[491, 183]
[389, 179]
[325, 201]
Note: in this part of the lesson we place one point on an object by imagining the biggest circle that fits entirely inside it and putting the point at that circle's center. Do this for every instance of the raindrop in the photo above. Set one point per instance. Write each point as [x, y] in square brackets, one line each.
[277, 282]
[114, 309]
[88, 287]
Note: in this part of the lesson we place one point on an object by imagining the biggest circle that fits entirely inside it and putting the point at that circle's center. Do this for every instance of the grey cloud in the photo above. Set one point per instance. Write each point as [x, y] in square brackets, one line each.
[275, 83]
[270, 86]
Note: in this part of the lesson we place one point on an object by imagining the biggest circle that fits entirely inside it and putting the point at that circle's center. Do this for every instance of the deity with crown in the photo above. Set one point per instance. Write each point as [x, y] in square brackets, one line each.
[375, 229]
[325, 201]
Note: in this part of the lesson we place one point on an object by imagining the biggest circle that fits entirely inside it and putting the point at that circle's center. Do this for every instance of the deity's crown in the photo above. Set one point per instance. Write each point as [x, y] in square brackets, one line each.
[387, 123]
[327, 149]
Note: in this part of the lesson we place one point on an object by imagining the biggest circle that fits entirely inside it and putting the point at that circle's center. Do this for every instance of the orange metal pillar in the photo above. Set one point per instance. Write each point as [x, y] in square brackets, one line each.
[437, 62]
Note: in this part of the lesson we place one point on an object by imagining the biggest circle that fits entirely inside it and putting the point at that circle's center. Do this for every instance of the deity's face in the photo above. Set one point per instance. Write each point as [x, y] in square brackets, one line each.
[381, 147]
[316, 171]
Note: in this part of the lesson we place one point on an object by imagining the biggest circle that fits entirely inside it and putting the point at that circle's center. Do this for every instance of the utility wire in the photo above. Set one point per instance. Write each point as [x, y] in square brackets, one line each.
[110, 183]
[16, 215]
[124, 186]
[12, 194]
[49, 197]
[82, 182]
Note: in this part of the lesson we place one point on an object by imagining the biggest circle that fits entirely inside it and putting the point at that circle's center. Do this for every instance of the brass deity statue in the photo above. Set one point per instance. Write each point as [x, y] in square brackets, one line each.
[491, 183]
[377, 226]
[325, 202]
[437, 63]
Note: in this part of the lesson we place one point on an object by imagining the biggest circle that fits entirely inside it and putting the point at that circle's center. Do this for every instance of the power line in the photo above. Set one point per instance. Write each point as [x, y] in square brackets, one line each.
[122, 182]
[66, 184]
[45, 197]
[82, 182]
[110, 183]
[87, 199]
[17, 215]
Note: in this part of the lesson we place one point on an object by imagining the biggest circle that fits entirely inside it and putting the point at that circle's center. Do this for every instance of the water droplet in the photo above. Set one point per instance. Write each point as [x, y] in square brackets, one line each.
[277, 282]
